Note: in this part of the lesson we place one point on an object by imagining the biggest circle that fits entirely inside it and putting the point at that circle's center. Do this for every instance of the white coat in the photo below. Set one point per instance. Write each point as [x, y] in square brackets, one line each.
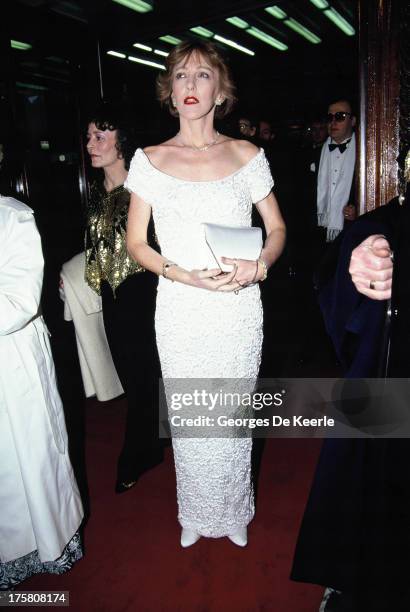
[83, 306]
[40, 506]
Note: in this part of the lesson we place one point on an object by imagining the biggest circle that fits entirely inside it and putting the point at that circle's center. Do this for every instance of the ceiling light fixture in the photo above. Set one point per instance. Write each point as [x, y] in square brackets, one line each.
[238, 22]
[233, 44]
[300, 29]
[117, 54]
[294, 25]
[267, 38]
[141, 6]
[143, 47]
[159, 52]
[320, 4]
[202, 31]
[139, 60]
[172, 40]
[340, 21]
[275, 11]
[31, 86]
[21, 46]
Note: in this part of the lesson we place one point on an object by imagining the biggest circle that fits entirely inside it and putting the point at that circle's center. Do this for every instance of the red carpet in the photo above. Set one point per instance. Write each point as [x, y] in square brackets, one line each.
[133, 560]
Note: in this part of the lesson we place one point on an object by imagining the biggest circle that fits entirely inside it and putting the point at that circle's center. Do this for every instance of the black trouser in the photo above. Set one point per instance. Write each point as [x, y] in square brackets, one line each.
[129, 326]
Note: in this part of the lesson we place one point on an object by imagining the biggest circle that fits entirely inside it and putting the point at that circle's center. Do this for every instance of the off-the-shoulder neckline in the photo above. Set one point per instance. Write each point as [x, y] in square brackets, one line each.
[181, 180]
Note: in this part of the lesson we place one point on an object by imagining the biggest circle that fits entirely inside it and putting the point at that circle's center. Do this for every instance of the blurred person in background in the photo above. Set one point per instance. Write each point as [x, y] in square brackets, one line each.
[41, 509]
[335, 183]
[248, 127]
[266, 132]
[127, 291]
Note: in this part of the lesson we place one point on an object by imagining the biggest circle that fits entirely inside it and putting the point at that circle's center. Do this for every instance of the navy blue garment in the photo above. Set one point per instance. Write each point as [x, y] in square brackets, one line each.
[353, 321]
[355, 533]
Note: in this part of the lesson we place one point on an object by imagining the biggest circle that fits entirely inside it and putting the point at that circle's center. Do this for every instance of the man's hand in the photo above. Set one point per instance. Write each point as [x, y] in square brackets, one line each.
[349, 212]
[371, 268]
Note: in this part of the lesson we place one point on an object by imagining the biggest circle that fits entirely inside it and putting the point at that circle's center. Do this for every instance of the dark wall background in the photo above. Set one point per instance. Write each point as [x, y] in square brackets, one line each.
[46, 91]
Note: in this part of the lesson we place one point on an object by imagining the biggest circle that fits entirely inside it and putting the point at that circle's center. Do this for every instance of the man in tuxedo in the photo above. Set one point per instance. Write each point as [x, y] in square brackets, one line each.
[336, 170]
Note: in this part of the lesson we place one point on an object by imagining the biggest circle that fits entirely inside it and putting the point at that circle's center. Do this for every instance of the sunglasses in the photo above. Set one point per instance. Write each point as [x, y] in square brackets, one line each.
[338, 117]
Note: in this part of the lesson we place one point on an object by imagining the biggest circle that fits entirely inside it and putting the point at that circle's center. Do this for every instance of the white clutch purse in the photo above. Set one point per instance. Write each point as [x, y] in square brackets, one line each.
[233, 242]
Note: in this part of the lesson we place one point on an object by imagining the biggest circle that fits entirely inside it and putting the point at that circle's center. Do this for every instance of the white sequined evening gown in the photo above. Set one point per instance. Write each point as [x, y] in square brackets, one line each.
[204, 334]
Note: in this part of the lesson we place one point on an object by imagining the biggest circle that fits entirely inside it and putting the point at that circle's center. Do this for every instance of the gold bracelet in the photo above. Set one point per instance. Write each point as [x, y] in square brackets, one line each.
[265, 269]
[256, 273]
[165, 267]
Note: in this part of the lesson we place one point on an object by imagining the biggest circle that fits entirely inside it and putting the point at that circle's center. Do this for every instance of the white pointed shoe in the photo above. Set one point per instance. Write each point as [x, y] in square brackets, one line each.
[240, 537]
[189, 537]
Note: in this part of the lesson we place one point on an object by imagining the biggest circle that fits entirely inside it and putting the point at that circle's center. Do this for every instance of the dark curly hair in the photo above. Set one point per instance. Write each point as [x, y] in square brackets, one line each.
[113, 117]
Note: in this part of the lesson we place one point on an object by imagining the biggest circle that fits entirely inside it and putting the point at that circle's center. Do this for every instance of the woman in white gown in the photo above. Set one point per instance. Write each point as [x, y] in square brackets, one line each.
[40, 506]
[208, 324]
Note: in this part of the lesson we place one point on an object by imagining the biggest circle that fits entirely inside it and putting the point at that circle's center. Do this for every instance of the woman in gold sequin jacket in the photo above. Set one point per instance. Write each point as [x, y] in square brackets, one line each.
[127, 292]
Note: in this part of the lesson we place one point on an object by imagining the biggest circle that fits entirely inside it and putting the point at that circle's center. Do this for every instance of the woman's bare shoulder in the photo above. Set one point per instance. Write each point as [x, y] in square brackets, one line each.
[158, 152]
[243, 149]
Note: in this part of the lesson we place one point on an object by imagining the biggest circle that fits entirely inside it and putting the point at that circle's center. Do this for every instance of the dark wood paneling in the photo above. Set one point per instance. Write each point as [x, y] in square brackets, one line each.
[404, 171]
[379, 111]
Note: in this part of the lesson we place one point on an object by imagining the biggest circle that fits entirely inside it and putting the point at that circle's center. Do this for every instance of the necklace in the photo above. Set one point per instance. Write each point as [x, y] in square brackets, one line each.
[205, 147]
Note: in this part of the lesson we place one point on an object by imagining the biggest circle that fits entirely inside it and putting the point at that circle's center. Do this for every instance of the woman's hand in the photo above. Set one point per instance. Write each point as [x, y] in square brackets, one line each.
[245, 272]
[248, 272]
[213, 279]
[371, 268]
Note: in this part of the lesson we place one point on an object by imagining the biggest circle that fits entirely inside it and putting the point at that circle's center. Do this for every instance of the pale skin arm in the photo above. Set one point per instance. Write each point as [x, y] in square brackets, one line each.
[371, 262]
[273, 247]
[212, 279]
[138, 218]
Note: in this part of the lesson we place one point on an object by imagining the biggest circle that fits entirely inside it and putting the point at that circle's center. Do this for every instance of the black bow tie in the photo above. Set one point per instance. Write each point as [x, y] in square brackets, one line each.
[342, 147]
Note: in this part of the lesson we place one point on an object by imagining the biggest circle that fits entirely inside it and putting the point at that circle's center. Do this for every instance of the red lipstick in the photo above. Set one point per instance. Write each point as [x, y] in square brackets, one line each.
[191, 100]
